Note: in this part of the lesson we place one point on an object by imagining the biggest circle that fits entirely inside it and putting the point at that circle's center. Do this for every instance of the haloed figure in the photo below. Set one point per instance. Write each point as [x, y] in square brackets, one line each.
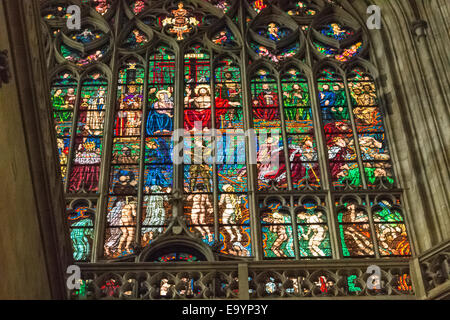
[81, 239]
[160, 118]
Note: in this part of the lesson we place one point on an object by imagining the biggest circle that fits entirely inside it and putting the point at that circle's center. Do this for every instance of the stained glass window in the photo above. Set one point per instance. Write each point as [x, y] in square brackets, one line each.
[198, 169]
[223, 5]
[177, 257]
[355, 232]
[392, 238]
[186, 118]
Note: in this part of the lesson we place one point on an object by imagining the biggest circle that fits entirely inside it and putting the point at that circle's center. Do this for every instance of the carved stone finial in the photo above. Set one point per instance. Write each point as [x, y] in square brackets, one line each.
[5, 74]
[176, 196]
[177, 230]
[419, 28]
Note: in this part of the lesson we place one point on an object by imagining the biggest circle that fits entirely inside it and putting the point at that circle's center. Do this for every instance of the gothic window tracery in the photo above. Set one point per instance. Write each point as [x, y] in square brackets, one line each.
[296, 72]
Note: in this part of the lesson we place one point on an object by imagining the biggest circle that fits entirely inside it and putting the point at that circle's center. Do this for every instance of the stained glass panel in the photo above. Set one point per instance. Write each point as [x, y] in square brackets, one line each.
[124, 179]
[223, 5]
[371, 134]
[155, 217]
[81, 221]
[342, 55]
[224, 38]
[88, 142]
[313, 234]
[298, 122]
[391, 231]
[158, 170]
[337, 31]
[63, 99]
[355, 232]
[277, 232]
[338, 131]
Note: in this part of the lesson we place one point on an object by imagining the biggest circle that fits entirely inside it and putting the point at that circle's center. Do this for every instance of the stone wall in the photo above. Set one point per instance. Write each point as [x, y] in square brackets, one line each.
[33, 238]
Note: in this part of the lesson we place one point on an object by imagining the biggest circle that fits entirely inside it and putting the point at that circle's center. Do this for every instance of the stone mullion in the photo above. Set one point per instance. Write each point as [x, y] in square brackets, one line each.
[214, 148]
[100, 218]
[408, 224]
[372, 227]
[177, 178]
[294, 228]
[51, 57]
[284, 134]
[322, 153]
[319, 136]
[252, 172]
[142, 153]
[288, 167]
[355, 135]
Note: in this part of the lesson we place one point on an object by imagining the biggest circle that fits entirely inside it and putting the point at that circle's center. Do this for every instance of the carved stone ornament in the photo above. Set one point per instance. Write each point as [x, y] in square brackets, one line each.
[419, 28]
[5, 74]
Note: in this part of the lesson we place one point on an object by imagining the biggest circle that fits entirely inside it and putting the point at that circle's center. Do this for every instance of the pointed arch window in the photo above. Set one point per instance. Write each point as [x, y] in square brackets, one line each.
[297, 73]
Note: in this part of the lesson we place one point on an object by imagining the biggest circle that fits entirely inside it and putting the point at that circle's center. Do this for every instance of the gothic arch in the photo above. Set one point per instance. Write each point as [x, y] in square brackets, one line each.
[345, 46]
[156, 34]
